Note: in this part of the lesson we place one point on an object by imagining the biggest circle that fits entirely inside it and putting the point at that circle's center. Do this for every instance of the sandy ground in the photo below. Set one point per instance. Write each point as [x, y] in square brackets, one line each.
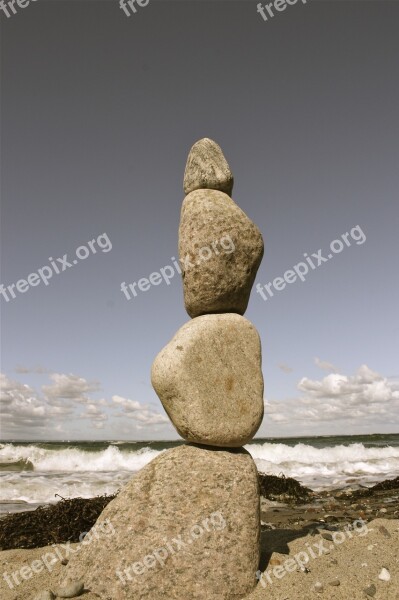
[354, 561]
[341, 568]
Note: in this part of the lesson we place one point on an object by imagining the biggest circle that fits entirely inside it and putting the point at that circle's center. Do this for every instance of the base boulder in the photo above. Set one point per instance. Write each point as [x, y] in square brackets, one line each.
[187, 526]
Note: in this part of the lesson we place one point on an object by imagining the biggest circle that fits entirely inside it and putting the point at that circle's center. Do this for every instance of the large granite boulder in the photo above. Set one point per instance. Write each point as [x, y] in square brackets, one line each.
[210, 382]
[207, 168]
[220, 250]
[185, 527]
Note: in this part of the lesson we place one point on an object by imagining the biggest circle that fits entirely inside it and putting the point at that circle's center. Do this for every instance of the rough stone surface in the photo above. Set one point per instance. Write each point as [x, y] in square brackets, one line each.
[71, 590]
[209, 380]
[207, 168]
[45, 595]
[209, 497]
[220, 250]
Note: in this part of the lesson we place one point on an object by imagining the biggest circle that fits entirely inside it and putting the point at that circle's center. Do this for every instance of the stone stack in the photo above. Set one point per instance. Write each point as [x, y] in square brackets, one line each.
[203, 494]
[223, 283]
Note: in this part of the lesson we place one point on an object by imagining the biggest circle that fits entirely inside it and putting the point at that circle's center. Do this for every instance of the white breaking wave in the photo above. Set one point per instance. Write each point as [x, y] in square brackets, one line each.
[77, 461]
[43, 489]
[327, 468]
[71, 472]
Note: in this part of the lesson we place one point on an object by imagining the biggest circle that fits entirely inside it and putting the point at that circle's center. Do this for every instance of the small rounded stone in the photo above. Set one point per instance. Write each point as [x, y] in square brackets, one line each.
[207, 168]
[71, 590]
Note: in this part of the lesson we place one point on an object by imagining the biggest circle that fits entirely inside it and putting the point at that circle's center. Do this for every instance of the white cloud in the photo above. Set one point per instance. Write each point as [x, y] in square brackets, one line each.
[95, 415]
[63, 404]
[365, 399]
[126, 404]
[69, 387]
[285, 368]
[22, 409]
[25, 370]
[132, 409]
[28, 413]
[325, 365]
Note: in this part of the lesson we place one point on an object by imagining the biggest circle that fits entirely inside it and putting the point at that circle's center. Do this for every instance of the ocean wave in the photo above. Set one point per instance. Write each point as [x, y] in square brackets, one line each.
[74, 460]
[45, 488]
[18, 465]
[35, 474]
[329, 467]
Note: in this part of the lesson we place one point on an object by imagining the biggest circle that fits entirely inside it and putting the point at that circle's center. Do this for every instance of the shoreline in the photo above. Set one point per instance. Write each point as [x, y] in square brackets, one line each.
[284, 503]
[354, 527]
[295, 564]
[32, 473]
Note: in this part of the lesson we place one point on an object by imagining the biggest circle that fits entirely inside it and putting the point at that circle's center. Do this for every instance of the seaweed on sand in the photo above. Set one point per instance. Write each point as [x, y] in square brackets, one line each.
[382, 486]
[51, 524]
[283, 488]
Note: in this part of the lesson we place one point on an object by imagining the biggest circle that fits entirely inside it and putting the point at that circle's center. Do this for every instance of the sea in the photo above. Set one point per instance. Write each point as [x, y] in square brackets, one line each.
[36, 473]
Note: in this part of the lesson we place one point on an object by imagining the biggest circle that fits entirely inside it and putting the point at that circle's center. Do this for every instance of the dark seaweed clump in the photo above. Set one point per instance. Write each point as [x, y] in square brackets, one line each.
[51, 524]
[382, 486]
[283, 488]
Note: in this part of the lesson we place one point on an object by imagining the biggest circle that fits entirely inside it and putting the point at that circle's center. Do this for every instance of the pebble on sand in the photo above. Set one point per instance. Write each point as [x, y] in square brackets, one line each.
[384, 575]
[371, 590]
[71, 590]
[45, 595]
[318, 587]
[326, 535]
[384, 531]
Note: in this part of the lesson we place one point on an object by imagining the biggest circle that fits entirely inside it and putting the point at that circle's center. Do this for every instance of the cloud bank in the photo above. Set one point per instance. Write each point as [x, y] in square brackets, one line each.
[61, 405]
[365, 399]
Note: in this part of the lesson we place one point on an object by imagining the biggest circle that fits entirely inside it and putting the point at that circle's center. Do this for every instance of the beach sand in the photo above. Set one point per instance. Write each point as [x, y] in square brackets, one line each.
[355, 559]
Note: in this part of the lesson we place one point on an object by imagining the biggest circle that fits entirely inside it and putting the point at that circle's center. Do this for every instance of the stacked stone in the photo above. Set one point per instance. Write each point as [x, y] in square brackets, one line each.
[209, 380]
[209, 376]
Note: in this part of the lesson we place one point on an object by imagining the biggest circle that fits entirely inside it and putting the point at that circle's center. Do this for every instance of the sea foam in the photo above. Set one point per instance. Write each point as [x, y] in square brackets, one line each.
[35, 474]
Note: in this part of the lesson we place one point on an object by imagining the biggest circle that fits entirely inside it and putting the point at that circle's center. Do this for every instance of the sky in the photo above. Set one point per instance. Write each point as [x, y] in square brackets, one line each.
[98, 113]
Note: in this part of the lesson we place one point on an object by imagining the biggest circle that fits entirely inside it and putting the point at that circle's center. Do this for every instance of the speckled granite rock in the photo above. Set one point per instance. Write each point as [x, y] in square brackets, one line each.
[217, 275]
[209, 380]
[70, 590]
[207, 168]
[45, 595]
[186, 526]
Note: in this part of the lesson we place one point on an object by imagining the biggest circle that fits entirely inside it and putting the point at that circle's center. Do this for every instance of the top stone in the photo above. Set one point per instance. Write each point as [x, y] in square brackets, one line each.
[207, 168]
